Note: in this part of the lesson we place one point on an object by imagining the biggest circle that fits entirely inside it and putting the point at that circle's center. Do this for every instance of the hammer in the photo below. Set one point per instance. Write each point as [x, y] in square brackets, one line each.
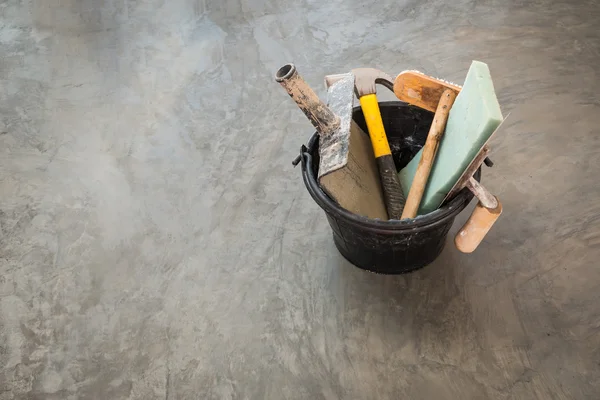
[365, 81]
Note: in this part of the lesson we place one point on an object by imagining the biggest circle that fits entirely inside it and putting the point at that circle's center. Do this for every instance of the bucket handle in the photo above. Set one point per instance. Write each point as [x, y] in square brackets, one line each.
[306, 149]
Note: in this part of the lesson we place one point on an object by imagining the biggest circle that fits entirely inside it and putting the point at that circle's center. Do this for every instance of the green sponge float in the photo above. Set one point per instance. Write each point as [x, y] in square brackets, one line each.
[473, 118]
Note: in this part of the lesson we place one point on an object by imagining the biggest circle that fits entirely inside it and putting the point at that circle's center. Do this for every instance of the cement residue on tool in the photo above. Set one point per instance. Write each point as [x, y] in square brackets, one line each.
[334, 147]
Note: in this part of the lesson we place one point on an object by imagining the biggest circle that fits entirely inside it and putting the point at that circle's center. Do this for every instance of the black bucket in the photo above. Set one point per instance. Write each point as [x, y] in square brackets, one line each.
[387, 247]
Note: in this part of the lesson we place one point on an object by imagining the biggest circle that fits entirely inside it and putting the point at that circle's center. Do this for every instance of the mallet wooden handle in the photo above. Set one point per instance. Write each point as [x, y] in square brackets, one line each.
[428, 156]
[316, 110]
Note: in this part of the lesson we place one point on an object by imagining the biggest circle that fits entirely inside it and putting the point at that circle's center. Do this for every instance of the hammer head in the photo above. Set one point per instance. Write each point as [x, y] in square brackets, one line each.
[365, 80]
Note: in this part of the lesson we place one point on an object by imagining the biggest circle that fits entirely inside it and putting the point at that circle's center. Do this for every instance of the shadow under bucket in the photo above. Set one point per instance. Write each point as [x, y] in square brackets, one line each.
[387, 247]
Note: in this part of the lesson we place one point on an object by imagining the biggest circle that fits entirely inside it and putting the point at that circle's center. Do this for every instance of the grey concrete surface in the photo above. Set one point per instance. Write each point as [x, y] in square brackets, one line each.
[157, 244]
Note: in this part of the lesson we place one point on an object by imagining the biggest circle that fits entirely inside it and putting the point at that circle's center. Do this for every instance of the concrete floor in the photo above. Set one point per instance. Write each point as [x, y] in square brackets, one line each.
[156, 242]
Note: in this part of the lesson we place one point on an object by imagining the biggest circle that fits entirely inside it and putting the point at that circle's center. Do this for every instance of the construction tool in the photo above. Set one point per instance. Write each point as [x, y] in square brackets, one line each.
[347, 167]
[472, 120]
[366, 91]
[428, 154]
[423, 91]
[488, 208]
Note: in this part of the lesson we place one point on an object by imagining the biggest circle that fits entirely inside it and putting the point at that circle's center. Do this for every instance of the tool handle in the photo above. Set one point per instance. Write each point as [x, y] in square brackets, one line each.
[390, 182]
[393, 195]
[428, 156]
[487, 199]
[477, 226]
[325, 121]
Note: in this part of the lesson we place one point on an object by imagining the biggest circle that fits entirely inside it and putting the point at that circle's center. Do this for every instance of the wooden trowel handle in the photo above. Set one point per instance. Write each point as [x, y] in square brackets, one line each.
[317, 112]
[477, 226]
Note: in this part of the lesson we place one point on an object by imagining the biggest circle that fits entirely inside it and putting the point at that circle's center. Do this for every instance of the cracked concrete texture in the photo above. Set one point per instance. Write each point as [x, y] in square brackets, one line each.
[156, 242]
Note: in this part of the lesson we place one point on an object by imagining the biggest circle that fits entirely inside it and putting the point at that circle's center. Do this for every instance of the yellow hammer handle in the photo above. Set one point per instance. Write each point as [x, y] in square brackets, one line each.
[370, 108]
[390, 182]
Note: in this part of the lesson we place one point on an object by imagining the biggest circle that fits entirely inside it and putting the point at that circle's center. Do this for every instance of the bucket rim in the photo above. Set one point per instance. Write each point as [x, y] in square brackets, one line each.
[447, 211]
